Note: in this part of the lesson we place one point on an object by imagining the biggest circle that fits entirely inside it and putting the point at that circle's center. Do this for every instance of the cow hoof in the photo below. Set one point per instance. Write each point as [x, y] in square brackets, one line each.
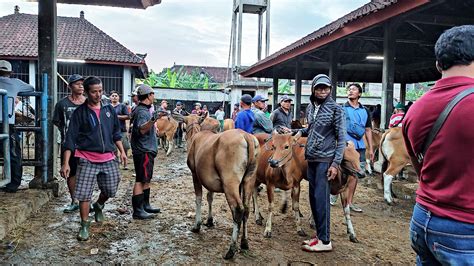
[268, 234]
[231, 252]
[259, 221]
[301, 215]
[210, 222]
[284, 207]
[353, 239]
[302, 233]
[244, 244]
[389, 201]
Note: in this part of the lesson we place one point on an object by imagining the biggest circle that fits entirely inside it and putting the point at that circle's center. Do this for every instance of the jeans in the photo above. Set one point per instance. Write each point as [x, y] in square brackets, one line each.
[319, 198]
[179, 135]
[440, 241]
[362, 158]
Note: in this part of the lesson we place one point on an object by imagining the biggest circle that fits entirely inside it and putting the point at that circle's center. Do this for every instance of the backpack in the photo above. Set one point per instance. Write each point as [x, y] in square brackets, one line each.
[354, 129]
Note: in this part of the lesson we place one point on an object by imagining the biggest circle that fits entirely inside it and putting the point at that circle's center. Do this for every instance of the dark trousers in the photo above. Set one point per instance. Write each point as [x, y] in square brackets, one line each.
[15, 159]
[319, 198]
[179, 134]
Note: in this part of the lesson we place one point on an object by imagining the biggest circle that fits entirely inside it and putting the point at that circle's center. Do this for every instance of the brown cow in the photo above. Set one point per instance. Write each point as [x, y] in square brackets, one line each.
[344, 184]
[225, 162]
[210, 124]
[283, 175]
[394, 156]
[228, 124]
[376, 137]
[166, 127]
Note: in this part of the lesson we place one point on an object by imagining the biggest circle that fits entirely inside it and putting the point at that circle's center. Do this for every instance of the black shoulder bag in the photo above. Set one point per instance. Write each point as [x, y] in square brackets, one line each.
[440, 121]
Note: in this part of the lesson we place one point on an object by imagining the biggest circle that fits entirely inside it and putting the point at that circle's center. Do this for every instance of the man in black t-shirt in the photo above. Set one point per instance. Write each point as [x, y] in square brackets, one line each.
[144, 149]
[61, 117]
[122, 113]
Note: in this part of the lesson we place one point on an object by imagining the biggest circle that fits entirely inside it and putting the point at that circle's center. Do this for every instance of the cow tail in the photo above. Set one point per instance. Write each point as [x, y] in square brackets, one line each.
[384, 157]
[252, 158]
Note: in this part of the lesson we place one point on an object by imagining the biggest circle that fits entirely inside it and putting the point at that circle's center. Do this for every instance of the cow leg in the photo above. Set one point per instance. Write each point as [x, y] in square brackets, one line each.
[248, 192]
[210, 220]
[170, 145]
[236, 206]
[268, 225]
[393, 169]
[295, 197]
[346, 200]
[258, 215]
[368, 167]
[198, 194]
[284, 199]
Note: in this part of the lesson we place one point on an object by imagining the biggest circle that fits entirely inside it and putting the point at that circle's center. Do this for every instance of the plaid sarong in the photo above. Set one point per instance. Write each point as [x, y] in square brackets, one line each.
[107, 175]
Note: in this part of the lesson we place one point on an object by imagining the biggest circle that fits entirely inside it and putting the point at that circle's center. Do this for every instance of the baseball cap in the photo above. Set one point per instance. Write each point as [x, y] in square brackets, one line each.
[5, 66]
[285, 98]
[198, 104]
[321, 79]
[144, 90]
[164, 101]
[400, 106]
[74, 77]
[246, 98]
[259, 98]
[179, 103]
[134, 92]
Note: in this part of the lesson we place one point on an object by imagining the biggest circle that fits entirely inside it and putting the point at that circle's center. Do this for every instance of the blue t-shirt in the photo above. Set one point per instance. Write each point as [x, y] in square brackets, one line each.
[245, 120]
[361, 117]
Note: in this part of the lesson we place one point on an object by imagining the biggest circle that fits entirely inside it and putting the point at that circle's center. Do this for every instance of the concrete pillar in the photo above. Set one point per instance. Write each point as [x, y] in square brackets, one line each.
[297, 106]
[388, 74]
[239, 34]
[267, 30]
[127, 83]
[260, 29]
[32, 79]
[47, 51]
[233, 40]
[333, 70]
[275, 93]
[403, 92]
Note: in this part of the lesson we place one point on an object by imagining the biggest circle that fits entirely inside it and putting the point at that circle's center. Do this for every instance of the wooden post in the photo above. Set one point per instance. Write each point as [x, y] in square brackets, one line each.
[275, 93]
[388, 74]
[333, 70]
[47, 52]
[297, 107]
[403, 92]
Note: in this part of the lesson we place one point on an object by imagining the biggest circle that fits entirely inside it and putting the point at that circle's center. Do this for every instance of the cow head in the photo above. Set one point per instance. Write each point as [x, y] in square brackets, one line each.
[193, 125]
[282, 146]
[351, 161]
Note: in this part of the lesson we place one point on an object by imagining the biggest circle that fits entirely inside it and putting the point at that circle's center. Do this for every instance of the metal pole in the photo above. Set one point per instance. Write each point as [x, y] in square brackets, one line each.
[275, 93]
[239, 34]
[260, 29]
[5, 138]
[267, 30]
[388, 74]
[44, 127]
[296, 114]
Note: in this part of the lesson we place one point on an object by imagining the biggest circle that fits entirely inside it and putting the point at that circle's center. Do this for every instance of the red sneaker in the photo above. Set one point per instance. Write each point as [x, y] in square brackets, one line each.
[311, 241]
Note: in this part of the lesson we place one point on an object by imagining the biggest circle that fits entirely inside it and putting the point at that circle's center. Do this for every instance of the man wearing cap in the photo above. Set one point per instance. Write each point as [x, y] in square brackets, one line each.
[323, 151]
[179, 131]
[397, 117]
[13, 86]
[93, 135]
[282, 116]
[245, 118]
[220, 115]
[164, 106]
[61, 118]
[144, 148]
[262, 124]
[197, 109]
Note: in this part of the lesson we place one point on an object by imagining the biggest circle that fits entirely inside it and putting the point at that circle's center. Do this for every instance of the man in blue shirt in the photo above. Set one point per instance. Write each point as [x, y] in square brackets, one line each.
[245, 118]
[358, 124]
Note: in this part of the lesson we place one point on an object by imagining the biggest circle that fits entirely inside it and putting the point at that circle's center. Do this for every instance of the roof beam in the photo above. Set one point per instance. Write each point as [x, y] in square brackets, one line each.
[440, 20]
[381, 39]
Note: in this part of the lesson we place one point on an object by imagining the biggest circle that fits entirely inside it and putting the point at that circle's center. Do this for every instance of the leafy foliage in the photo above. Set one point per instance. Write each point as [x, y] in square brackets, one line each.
[284, 86]
[179, 79]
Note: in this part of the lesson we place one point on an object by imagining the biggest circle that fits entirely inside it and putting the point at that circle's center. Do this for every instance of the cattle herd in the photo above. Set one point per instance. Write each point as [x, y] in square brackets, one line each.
[235, 163]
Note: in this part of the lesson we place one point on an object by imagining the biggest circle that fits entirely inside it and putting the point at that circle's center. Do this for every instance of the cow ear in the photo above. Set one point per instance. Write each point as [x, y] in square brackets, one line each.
[185, 119]
[201, 119]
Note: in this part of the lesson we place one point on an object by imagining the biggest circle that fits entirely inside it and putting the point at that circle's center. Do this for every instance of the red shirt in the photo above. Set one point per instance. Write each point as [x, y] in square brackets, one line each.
[447, 175]
[395, 120]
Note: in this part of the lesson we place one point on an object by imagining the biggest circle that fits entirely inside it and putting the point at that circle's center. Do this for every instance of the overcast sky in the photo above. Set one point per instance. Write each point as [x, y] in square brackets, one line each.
[197, 32]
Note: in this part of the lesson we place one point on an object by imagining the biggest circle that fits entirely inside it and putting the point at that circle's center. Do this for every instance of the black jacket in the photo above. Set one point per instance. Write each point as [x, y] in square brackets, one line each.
[87, 133]
[281, 119]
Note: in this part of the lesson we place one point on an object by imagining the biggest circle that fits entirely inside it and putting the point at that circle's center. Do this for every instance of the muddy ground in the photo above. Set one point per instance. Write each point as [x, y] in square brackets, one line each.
[50, 236]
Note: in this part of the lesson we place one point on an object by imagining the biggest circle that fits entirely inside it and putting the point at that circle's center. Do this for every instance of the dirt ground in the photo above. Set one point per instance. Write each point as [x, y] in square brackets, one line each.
[50, 235]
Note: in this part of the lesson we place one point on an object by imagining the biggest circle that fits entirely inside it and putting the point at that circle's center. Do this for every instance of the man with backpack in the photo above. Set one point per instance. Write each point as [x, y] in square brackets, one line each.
[358, 124]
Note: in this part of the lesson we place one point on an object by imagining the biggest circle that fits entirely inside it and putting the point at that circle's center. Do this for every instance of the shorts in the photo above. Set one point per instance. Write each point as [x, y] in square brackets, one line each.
[72, 163]
[125, 141]
[106, 174]
[143, 163]
[362, 155]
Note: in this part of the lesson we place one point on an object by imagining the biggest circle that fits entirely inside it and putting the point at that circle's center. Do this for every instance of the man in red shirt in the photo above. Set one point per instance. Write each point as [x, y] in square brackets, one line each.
[442, 226]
